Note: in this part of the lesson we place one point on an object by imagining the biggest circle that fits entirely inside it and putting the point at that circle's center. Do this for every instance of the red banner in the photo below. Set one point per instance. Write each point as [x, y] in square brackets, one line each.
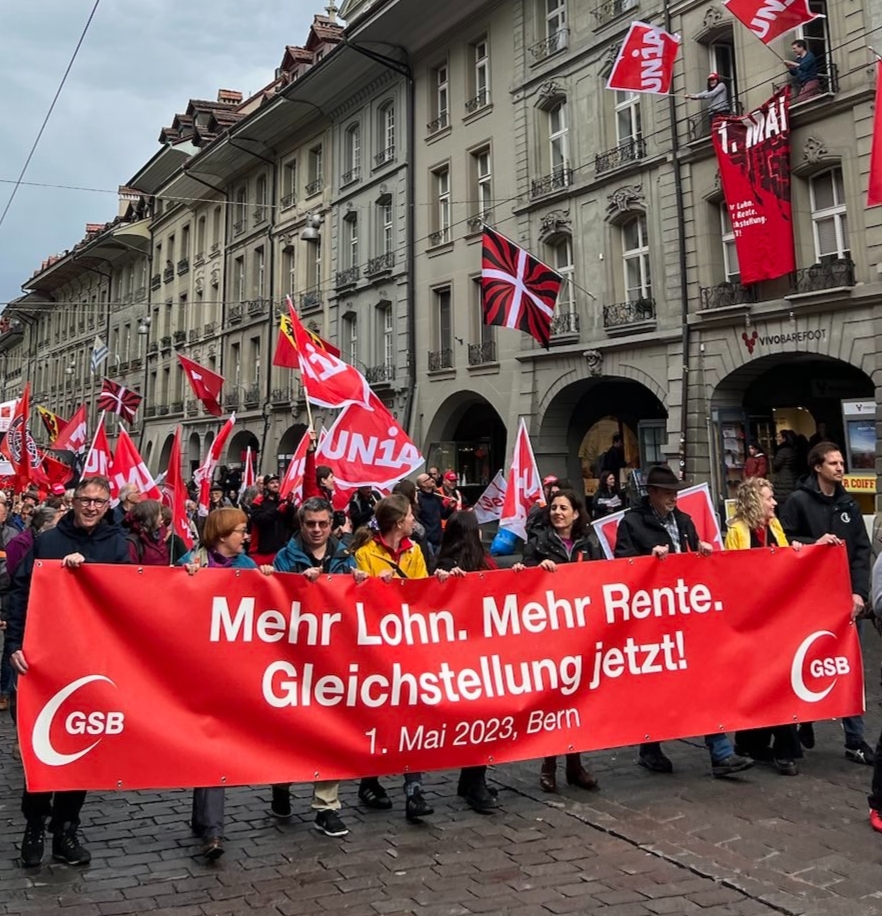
[770, 19]
[753, 153]
[333, 680]
[645, 62]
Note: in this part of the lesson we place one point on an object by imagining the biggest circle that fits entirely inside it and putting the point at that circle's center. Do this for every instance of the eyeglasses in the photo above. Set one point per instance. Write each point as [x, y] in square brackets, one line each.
[316, 524]
[240, 531]
[86, 501]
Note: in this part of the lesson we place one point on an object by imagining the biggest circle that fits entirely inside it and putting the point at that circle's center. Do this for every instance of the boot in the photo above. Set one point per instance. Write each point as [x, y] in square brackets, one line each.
[548, 775]
[577, 775]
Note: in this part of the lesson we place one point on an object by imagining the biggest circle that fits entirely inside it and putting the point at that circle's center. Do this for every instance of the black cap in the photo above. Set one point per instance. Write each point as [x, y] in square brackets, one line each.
[270, 478]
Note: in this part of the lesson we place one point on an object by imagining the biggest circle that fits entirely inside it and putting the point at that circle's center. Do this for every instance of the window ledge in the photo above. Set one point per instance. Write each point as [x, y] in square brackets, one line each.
[484, 369]
[834, 291]
[440, 248]
[635, 327]
[439, 375]
[477, 114]
[439, 134]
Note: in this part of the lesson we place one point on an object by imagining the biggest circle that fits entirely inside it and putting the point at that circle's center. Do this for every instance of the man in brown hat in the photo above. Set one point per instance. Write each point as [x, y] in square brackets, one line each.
[656, 527]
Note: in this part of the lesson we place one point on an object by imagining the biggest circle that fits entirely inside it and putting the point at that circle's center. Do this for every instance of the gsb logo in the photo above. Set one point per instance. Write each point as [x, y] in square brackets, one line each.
[95, 723]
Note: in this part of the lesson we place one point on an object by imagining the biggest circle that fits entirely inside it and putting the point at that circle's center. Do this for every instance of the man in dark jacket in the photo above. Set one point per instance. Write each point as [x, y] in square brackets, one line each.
[819, 511]
[361, 507]
[656, 527]
[271, 519]
[81, 536]
[432, 511]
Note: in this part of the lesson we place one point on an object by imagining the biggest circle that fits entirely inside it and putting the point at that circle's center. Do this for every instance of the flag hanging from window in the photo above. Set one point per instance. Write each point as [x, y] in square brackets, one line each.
[770, 19]
[518, 290]
[120, 400]
[874, 191]
[99, 354]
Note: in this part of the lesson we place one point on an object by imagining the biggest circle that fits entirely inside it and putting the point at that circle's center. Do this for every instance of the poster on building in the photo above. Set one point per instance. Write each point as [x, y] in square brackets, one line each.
[753, 153]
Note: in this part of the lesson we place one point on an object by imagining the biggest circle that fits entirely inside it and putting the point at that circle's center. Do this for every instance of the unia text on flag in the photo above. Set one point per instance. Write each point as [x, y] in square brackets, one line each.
[175, 493]
[770, 19]
[874, 190]
[524, 486]
[646, 60]
[206, 384]
[19, 447]
[75, 435]
[98, 459]
[517, 290]
[128, 467]
[205, 472]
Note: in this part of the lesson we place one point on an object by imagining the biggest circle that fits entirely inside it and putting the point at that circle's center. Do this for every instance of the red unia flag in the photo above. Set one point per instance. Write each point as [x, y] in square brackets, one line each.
[74, 436]
[524, 487]
[770, 19]
[128, 467]
[874, 192]
[176, 493]
[646, 60]
[694, 501]
[98, 460]
[293, 481]
[206, 384]
[19, 446]
[248, 475]
[205, 472]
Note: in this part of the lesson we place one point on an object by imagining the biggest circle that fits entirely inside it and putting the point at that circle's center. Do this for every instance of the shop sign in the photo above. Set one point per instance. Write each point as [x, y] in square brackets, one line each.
[859, 483]
[780, 342]
[858, 408]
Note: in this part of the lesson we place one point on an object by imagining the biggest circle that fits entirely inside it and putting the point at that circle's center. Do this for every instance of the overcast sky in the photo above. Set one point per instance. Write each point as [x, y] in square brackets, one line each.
[139, 65]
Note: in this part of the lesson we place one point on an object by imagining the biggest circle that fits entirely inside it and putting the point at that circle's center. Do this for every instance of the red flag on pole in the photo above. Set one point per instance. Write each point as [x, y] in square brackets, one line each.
[524, 487]
[874, 191]
[205, 472]
[646, 60]
[176, 493]
[19, 446]
[74, 436]
[57, 472]
[248, 475]
[128, 467]
[770, 19]
[98, 460]
[293, 481]
[206, 384]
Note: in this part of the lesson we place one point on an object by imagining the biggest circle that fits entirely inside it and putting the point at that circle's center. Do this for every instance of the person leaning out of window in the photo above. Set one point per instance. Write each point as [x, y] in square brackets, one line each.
[715, 97]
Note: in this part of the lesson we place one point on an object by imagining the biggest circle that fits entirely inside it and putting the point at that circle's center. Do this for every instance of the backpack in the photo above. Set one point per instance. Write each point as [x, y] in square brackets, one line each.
[133, 538]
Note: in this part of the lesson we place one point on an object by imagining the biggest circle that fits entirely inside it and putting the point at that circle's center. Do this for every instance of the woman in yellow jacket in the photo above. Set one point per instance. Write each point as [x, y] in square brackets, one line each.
[755, 525]
[389, 553]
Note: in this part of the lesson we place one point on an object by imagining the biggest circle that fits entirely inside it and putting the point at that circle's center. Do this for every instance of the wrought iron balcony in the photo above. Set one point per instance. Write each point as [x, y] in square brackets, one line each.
[315, 187]
[832, 274]
[183, 266]
[194, 335]
[438, 124]
[192, 408]
[348, 277]
[236, 313]
[177, 406]
[199, 260]
[214, 250]
[162, 410]
[482, 353]
[180, 337]
[551, 45]
[439, 237]
[632, 150]
[381, 263]
[252, 396]
[726, 294]
[828, 84]
[165, 342]
[612, 9]
[150, 411]
[259, 215]
[123, 366]
[377, 375]
[477, 222]
[156, 281]
[281, 396]
[140, 293]
[231, 400]
[136, 363]
[311, 301]
[565, 323]
[481, 100]
[351, 176]
[289, 200]
[699, 126]
[239, 227]
[623, 314]
[209, 328]
[440, 359]
[168, 275]
[384, 156]
[258, 307]
[558, 180]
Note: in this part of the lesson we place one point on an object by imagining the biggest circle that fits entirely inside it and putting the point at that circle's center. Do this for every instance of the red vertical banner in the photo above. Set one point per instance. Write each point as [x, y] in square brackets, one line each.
[753, 153]
[874, 189]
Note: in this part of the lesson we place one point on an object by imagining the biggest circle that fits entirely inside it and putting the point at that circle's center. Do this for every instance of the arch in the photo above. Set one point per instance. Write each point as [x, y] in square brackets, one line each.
[238, 444]
[194, 456]
[148, 454]
[291, 438]
[165, 454]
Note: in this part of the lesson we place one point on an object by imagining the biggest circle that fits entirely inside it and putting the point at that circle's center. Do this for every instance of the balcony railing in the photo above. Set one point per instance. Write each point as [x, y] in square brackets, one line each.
[156, 281]
[352, 175]
[828, 84]
[239, 227]
[252, 396]
[439, 237]
[150, 411]
[180, 337]
[440, 359]
[377, 375]
[259, 215]
[311, 301]
[289, 200]
[236, 313]
[162, 410]
[631, 150]
[258, 307]
[136, 363]
[832, 274]
[199, 260]
[192, 408]
[623, 314]
[558, 180]
[438, 124]
[384, 156]
[481, 100]
[482, 353]
[381, 263]
[168, 275]
[699, 125]
[209, 328]
[214, 250]
[183, 266]
[123, 366]
[551, 45]
[281, 396]
[231, 400]
[726, 294]
[177, 407]
[315, 187]
[612, 9]
[477, 222]
[565, 323]
[140, 293]
[348, 277]
[194, 335]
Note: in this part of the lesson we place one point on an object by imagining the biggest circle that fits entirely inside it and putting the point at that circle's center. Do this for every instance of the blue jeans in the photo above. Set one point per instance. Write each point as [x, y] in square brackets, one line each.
[853, 726]
[719, 745]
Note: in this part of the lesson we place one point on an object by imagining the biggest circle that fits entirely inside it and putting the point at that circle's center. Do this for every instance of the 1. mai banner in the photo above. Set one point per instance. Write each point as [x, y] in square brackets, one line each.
[150, 678]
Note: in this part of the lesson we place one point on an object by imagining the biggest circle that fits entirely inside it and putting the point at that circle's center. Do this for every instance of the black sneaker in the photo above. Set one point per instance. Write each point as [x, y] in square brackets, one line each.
[281, 803]
[655, 761]
[732, 764]
[67, 848]
[33, 843]
[860, 753]
[417, 807]
[372, 795]
[328, 823]
[787, 767]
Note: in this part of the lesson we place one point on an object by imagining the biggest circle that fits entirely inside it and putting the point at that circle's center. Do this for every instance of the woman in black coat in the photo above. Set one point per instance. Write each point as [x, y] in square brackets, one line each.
[785, 465]
[607, 500]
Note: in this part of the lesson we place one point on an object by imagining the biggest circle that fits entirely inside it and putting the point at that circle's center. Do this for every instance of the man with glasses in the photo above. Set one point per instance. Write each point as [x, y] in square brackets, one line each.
[81, 536]
[315, 552]
[432, 511]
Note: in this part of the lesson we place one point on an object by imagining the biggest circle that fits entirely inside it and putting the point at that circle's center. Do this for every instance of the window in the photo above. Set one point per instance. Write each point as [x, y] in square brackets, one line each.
[484, 333]
[216, 227]
[817, 38]
[635, 253]
[441, 102]
[185, 243]
[261, 200]
[481, 87]
[170, 253]
[289, 184]
[239, 279]
[255, 359]
[721, 56]
[259, 271]
[829, 216]
[387, 335]
[316, 170]
[289, 281]
[628, 126]
[483, 182]
[730, 255]
[127, 342]
[314, 266]
[556, 20]
[558, 138]
[562, 260]
[240, 212]
[352, 156]
[350, 339]
[444, 327]
[200, 236]
[441, 179]
[236, 354]
[387, 134]
[387, 227]
[351, 239]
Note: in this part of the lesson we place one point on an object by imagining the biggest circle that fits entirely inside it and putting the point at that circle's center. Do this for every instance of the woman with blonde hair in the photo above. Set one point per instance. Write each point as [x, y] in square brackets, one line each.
[756, 525]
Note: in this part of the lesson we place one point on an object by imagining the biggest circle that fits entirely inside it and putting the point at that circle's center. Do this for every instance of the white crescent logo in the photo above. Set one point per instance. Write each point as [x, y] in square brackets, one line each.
[40, 739]
[797, 682]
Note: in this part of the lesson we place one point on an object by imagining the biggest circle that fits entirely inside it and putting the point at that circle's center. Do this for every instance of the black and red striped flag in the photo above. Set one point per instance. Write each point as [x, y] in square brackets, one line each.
[518, 290]
[118, 399]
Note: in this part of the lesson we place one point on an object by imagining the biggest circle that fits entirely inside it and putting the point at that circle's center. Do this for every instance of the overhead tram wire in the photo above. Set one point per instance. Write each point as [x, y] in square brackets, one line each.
[39, 136]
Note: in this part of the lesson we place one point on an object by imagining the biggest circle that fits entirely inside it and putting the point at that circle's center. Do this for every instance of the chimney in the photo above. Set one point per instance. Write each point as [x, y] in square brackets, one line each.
[127, 197]
[229, 97]
[331, 10]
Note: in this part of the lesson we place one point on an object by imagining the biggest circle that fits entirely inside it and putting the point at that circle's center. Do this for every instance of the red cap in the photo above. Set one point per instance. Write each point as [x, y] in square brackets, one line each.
[450, 475]
[58, 489]
[549, 480]
[714, 76]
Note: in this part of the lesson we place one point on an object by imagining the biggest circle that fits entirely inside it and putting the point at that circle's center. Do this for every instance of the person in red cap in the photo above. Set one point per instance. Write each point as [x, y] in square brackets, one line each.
[716, 98]
[453, 498]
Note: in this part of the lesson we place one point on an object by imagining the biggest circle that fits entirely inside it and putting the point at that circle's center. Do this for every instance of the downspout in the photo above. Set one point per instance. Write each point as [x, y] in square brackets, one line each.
[684, 279]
